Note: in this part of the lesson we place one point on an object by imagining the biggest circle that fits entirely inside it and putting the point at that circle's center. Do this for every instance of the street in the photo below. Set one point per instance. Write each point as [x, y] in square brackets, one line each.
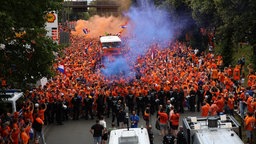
[77, 131]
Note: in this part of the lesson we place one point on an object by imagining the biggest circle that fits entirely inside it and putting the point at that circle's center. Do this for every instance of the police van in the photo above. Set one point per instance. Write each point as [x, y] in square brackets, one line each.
[11, 100]
[129, 136]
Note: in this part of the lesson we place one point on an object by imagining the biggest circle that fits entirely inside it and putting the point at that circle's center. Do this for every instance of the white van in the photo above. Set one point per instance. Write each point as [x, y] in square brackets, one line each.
[129, 136]
[12, 100]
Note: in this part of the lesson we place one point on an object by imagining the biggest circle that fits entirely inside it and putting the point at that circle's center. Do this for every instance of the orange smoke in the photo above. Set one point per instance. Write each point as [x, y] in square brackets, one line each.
[99, 26]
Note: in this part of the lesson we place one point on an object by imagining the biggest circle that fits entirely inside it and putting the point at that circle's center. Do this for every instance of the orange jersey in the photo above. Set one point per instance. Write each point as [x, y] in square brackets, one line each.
[231, 103]
[24, 137]
[236, 74]
[175, 119]
[205, 110]
[249, 123]
[163, 117]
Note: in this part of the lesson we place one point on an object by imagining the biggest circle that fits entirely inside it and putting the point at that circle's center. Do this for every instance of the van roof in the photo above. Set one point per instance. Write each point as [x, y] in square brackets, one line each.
[12, 96]
[107, 39]
[16, 96]
[218, 136]
[131, 136]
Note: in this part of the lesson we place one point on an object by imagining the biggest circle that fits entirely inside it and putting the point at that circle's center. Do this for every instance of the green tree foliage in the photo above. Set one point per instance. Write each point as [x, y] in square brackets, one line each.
[182, 13]
[233, 21]
[203, 12]
[26, 54]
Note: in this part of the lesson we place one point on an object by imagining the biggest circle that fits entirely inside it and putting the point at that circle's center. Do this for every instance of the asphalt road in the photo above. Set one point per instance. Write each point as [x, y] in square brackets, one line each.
[77, 131]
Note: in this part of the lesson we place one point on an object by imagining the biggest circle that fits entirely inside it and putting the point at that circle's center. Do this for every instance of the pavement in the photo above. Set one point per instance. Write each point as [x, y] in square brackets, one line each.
[77, 131]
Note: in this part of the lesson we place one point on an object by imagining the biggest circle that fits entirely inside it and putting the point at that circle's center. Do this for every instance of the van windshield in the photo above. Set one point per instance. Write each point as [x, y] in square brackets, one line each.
[111, 45]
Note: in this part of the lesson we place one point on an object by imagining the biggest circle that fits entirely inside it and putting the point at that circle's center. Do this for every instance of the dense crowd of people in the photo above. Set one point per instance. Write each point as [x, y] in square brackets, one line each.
[177, 77]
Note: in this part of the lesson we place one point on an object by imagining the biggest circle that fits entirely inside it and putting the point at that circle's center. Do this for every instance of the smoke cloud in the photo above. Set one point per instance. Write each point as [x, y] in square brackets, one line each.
[98, 26]
[150, 25]
[147, 25]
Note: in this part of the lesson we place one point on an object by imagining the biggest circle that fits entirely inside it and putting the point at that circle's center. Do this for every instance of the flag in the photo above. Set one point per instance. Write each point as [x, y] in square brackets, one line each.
[61, 68]
[153, 53]
[86, 31]
[123, 26]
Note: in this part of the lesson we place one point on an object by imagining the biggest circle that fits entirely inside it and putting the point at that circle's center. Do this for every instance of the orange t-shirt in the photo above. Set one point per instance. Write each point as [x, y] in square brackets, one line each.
[236, 74]
[175, 119]
[39, 120]
[24, 137]
[220, 103]
[15, 136]
[249, 105]
[205, 111]
[214, 74]
[41, 113]
[163, 117]
[249, 123]
[231, 103]
[213, 109]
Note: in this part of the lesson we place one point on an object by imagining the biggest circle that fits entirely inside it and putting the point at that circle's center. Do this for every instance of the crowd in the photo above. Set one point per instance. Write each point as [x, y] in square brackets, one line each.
[177, 77]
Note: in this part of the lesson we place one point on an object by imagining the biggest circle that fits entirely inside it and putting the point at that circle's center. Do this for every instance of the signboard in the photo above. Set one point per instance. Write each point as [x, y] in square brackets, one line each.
[50, 17]
[54, 34]
[52, 26]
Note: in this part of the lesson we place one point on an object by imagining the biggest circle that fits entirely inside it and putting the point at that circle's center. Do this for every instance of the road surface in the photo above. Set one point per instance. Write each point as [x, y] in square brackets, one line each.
[77, 131]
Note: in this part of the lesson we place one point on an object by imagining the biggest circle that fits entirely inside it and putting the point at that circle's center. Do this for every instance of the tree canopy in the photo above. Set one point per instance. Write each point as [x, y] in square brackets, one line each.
[26, 54]
[231, 21]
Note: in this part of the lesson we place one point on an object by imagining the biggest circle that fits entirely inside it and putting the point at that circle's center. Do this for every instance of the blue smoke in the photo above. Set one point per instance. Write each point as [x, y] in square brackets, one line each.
[118, 66]
[148, 25]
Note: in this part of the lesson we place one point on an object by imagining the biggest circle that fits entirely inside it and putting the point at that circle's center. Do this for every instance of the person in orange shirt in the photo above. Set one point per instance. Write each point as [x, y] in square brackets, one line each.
[214, 74]
[14, 135]
[146, 115]
[249, 127]
[163, 120]
[229, 71]
[231, 103]
[5, 131]
[213, 109]
[41, 111]
[254, 105]
[220, 103]
[24, 136]
[249, 104]
[175, 117]
[38, 128]
[236, 74]
[205, 109]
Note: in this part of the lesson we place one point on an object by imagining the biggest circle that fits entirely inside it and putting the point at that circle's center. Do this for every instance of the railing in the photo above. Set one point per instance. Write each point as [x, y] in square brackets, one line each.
[98, 4]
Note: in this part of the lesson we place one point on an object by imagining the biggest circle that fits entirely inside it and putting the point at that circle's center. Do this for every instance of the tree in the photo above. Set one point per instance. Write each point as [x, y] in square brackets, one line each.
[233, 20]
[26, 54]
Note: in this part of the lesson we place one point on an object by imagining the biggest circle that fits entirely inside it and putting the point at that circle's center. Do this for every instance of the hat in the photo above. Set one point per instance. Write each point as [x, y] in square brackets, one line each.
[36, 105]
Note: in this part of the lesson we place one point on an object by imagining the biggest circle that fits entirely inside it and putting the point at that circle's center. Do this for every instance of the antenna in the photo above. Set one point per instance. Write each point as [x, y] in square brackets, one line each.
[127, 117]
